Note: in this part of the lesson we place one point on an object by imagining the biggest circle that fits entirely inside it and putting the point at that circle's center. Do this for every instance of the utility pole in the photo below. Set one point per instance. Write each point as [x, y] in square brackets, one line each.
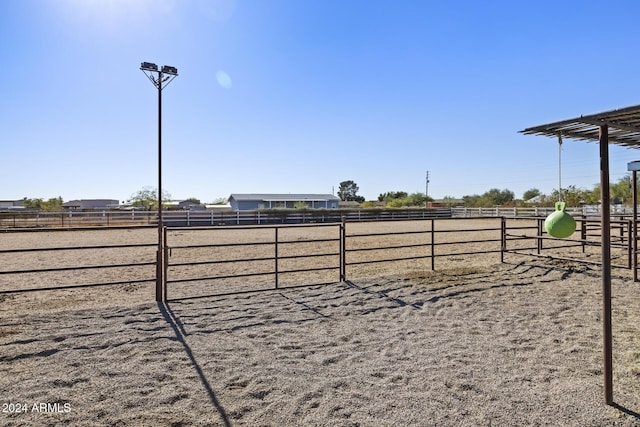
[426, 193]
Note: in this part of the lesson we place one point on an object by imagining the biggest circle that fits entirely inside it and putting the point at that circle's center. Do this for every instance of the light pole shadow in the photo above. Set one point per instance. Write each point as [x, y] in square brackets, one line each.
[170, 317]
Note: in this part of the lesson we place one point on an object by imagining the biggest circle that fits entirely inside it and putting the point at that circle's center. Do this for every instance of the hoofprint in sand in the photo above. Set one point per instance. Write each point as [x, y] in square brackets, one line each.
[517, 343]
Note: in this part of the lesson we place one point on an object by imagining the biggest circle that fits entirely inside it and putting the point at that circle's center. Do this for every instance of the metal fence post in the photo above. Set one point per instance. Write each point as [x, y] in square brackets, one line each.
[343, 255]
[629, 245]
[540, 221]
[276, 254]
[433, 245]
[634, 224]
[503, 243]
[158, 275]
[165, 262]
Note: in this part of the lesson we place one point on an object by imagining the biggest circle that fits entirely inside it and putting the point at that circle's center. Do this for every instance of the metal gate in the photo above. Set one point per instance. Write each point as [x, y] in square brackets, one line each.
[213, 261]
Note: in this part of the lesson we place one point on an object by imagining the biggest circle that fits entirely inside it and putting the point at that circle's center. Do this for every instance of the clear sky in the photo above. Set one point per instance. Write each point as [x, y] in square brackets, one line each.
[296, 96]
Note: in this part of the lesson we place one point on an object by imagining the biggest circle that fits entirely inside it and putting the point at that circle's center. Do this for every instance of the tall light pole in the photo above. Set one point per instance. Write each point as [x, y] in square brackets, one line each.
[160, 79]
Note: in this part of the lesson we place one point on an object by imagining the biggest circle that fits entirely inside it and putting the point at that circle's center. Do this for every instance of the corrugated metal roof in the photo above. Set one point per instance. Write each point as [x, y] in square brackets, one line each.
[624, 127]
[284, 197]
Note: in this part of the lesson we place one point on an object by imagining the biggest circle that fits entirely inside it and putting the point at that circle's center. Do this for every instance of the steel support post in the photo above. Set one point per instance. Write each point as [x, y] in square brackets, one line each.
[605, 212]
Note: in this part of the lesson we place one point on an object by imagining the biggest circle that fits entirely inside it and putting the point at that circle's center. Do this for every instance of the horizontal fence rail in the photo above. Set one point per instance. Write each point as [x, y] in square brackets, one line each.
[201, 218]
[528, 239]
[620, 211]
[75, 219]
[268, 253]
[428, 239]
[38, 265]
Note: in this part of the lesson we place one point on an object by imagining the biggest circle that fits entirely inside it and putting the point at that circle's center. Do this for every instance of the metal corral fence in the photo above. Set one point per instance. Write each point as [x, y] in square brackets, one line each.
[527, 236]
[196, 218]
[226, 260]
[75, 219]
[203, 218]
[206, 261]
[539, 211]
[56, 259]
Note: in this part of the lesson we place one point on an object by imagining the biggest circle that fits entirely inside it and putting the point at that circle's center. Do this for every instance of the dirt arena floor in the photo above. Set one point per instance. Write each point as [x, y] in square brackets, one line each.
[475, 342]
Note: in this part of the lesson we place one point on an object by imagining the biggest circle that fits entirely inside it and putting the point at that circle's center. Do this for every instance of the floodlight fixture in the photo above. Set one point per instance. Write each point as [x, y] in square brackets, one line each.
[159, 77]
[166, 69]
[148, 66]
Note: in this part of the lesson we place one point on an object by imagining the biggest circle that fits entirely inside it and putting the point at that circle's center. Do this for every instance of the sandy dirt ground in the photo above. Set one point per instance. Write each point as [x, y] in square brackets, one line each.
[475, 342]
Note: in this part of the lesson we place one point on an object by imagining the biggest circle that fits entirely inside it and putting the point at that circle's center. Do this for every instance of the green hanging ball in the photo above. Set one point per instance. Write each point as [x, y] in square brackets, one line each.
[560, 224]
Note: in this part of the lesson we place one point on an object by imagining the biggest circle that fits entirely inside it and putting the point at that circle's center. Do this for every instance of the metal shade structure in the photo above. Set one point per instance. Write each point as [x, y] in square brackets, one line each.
[620, 127]
[624, 127]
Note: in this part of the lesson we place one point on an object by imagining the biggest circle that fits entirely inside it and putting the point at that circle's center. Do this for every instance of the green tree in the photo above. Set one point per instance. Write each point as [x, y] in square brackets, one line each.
[33, 204]
[401, 199]
[391, 195]
[530, 194]
[395, 203]
[147, 198]
[497, 197]
[472, 201]
[51, 205]
[493, 197]
[573, 196]
[417, 199]
[621, 191]
[348, 192]
[449, 201]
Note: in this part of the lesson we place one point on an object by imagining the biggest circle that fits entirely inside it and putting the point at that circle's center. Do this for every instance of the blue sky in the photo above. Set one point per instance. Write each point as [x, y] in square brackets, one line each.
[296, 96]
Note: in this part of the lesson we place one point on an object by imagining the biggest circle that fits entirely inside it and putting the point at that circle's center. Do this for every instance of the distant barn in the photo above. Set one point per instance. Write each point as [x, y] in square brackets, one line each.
[11, 204]
[90, 204]
[245, 202]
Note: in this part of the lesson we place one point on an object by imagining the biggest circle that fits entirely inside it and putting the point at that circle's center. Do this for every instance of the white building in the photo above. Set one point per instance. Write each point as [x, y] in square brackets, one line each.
[243, 202]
